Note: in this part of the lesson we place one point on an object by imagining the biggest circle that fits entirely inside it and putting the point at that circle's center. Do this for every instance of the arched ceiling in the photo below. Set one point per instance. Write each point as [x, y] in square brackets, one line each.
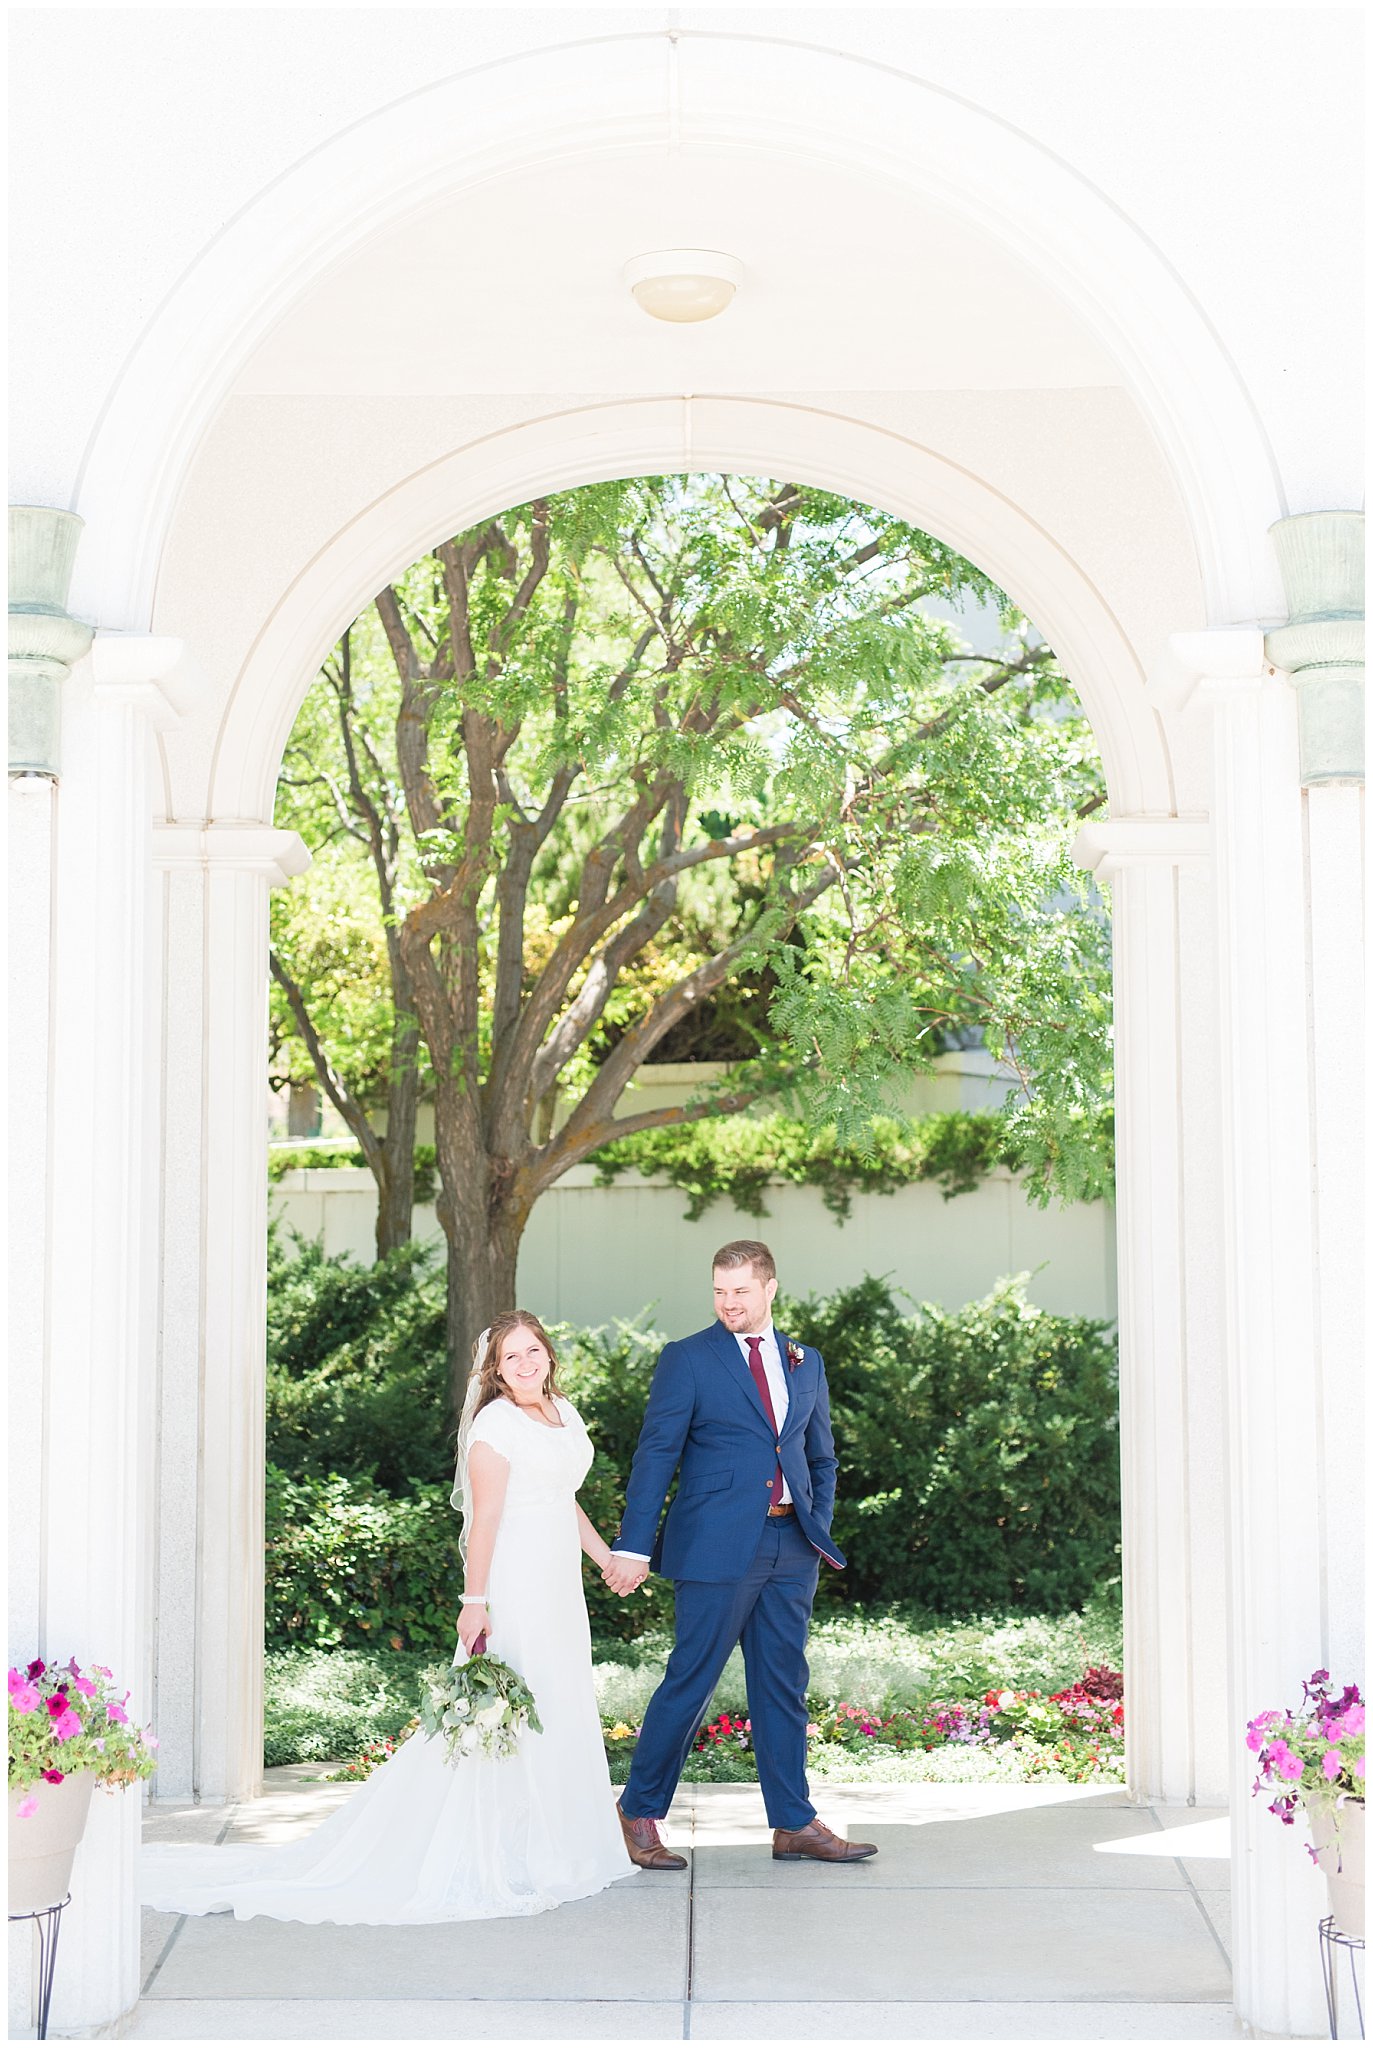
[514, 285]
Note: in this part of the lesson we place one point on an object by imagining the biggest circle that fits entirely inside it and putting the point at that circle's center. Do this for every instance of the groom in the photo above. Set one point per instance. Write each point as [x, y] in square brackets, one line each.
[743, 1413]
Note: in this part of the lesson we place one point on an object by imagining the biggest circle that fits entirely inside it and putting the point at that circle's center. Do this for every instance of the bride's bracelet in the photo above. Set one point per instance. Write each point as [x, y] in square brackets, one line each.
[474, 1599]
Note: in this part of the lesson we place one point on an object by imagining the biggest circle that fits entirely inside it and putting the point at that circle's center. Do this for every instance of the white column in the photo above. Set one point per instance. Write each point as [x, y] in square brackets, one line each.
[1335, 876]
[1278, 1586]
[95, 1461]
[1171, 1367]
[210, 1401]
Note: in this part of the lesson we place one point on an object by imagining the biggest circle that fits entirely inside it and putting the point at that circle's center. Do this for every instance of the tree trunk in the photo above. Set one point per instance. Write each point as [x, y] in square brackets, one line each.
[482, 1216]
[481, 1286]
[396, 1180]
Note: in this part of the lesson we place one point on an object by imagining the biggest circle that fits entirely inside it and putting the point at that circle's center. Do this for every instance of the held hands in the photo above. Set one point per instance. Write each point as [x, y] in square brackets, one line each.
[472, 1622]
[624, 1575]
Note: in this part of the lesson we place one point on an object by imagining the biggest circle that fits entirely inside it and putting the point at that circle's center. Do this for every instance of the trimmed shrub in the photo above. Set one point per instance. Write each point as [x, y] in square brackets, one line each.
[978, 1450]
[348, 1564]
[356, 1382]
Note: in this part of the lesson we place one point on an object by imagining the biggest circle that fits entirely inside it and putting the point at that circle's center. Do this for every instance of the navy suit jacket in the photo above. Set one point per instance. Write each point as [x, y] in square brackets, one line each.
[706, 1417]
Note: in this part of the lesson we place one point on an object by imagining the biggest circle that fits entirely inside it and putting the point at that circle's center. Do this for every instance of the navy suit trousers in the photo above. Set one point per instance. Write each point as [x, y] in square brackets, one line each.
[768, 1611]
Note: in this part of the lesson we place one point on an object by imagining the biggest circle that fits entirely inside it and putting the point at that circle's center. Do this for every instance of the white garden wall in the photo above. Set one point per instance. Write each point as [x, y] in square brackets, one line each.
[594, 1253]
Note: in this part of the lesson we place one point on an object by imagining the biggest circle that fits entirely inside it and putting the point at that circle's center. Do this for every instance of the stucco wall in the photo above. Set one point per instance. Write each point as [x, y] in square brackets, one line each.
[593, 1254]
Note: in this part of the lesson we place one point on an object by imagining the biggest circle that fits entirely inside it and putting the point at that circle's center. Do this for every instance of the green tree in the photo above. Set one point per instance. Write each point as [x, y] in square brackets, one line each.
[649, 745]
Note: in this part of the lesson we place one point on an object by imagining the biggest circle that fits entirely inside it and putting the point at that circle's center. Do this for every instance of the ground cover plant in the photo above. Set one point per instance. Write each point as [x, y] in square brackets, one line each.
[894, 1695]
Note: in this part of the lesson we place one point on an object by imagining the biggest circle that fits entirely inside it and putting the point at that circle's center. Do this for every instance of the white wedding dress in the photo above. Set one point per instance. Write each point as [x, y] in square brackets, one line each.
[422, 1839]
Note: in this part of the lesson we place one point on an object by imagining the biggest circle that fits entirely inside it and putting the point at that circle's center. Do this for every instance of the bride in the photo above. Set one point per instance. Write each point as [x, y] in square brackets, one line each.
[424, 1840]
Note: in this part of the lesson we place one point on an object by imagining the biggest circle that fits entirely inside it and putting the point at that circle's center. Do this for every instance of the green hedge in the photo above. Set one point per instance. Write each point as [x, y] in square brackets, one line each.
[978, 1449]
[978, 1452]
[736, 1158]
[324, 1154]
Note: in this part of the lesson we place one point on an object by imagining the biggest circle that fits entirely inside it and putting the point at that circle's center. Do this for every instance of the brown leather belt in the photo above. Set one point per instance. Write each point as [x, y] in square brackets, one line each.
[785, 1508]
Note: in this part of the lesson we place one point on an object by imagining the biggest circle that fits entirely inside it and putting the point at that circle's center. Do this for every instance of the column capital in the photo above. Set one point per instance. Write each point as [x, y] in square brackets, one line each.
[1104, 847]
[44, 640]
[242, 845]
[132, 668]
[1320, 555]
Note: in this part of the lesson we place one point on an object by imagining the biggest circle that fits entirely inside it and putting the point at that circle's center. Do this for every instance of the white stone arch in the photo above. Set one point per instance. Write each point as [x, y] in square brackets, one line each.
[663, 436]
[769, 94]
[788, 101]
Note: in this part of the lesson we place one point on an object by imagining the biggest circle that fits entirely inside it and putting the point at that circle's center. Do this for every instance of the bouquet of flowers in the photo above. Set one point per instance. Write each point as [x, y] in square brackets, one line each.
[64, 1720]
[481, 1708]
[1315, 1756]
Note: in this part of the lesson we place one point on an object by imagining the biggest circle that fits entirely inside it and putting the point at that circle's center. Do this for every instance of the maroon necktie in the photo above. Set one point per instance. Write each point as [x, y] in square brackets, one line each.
[760, 1380]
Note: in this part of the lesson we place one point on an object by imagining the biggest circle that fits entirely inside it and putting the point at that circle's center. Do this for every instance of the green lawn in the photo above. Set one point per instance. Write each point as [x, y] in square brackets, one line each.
[324, 1705]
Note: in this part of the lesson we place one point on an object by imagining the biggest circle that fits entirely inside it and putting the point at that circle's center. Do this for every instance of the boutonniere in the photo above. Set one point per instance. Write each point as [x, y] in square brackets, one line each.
[795, 1355]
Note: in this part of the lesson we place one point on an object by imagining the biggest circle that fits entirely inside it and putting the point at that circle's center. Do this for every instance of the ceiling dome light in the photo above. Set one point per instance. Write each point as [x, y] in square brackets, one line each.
[684, 284]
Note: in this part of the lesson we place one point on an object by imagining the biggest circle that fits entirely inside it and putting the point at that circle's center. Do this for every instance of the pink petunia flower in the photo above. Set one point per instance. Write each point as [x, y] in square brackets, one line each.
[86, 1686]
[1331, 1762]
[54, 1777]
[1290, 1764]
[27, 1807]
[24, 1697]
[66, 1724]
[116, 1712]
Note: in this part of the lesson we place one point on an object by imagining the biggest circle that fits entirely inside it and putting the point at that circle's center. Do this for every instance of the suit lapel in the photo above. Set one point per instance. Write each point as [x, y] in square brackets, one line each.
[797, 1382]
[728, 1348]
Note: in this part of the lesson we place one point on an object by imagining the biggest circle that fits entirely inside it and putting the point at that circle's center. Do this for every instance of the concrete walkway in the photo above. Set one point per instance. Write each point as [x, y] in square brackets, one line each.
[1043, 1912]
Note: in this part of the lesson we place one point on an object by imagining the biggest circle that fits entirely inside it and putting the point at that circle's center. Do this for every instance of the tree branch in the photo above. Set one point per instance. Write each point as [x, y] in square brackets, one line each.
[330, 1080]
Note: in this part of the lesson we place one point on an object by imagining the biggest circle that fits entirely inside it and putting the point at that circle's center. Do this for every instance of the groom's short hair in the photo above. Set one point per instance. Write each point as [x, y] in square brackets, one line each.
[746, 1251]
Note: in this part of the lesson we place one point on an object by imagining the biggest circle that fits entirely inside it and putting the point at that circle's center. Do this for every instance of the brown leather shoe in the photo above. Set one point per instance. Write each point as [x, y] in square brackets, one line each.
[818, 1842]
[645, 1845]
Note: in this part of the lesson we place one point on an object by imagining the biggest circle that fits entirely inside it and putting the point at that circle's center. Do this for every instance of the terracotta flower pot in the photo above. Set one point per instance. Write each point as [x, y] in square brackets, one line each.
[1342, 1860]
[42, 1847]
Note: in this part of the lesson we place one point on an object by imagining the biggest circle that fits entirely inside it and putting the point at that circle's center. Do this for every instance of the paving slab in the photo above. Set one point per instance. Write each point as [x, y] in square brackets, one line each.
[154, 1933]
[963, 2022]
[1201, 1840]
[1216, 1907]
[717, 1809]
[980, 1943]
[404, 2019]
[1056, 1847]
[631, 1945]
[183, 1822]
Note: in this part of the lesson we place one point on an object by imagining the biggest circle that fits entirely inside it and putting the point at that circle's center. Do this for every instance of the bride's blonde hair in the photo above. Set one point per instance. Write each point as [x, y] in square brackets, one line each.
[491, 1387]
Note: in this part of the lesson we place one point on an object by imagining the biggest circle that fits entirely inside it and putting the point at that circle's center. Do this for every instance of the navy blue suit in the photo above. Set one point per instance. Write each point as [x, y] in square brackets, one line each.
[740, 1576]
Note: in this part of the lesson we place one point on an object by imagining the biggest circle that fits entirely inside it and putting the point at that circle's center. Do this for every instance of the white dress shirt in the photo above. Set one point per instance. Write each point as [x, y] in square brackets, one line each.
[776, 1375]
